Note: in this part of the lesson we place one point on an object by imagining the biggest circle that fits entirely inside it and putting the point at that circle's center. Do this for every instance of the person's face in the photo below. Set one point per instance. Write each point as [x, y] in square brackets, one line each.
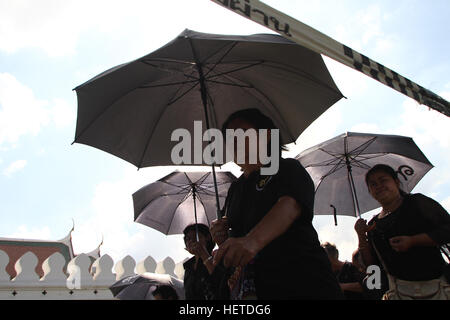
[191, 237]
[244, 125]
[382, 187]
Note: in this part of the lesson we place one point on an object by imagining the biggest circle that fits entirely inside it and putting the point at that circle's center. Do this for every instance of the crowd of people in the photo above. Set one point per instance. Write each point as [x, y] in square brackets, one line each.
[267, 230]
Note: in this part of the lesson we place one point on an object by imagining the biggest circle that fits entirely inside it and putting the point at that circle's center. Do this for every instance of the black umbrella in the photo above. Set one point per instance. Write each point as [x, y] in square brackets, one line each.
[132, 110]
[338, 167]
[179, 199]
[141, 287]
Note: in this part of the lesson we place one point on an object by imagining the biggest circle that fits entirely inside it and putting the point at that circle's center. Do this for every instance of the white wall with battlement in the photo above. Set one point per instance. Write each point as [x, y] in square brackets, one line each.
[83, 279]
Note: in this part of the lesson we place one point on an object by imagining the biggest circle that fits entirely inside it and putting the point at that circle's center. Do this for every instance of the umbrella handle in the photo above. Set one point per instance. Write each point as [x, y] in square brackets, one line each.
[334, 214]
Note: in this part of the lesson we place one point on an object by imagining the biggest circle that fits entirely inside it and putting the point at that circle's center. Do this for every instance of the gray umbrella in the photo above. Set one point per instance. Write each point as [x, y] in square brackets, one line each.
[180, 199]
[141, 286]
[132, 110]
[338, 167]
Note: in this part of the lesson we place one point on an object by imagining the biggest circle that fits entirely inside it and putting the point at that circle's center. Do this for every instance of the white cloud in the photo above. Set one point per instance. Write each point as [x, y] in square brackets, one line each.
[47, 24]
[366, 128]
[57, 26]
[38, 233]
[364, 32]
[22, 113]
[62, 113]
[324, 128]
[14, 167]
[113, 218]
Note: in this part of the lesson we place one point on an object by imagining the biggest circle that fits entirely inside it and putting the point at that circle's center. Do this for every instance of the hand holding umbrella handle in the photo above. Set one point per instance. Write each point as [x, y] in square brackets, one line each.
[219, 230]
[361, 227]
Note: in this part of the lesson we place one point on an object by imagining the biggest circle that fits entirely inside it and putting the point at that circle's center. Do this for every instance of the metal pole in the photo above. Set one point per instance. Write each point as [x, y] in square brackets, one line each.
[195, 212]
[350, 180]
[205, 108]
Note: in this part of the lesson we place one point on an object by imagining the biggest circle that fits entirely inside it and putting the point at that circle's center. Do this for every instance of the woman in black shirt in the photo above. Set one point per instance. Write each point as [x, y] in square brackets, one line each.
[407, 234]
[272, 235]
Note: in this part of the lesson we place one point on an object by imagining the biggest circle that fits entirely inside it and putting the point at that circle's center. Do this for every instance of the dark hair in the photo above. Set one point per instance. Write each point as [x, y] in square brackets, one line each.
[386, 169]
[256, 118]
[331, 249]
[167, 292]
[203, 229]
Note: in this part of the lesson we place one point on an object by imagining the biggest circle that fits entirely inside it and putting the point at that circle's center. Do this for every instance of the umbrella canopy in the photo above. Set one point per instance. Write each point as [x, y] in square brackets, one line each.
[132, 110]
[338, 168]
[179, 199]
[141, 287]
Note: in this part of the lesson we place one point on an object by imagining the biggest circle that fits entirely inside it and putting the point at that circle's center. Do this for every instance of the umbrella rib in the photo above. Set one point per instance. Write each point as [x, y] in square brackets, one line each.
[173, 216]
[231, 84]
[335, 157]
[220, 60]
[169, 103]
[168, 69]
[168, 84]
[359, 149]
[235, 70]
[146, 61]
[182, 187]
[153, 200]
[301, 74]
[204, 209]
[274, 109]
[335, 168]
[277, 65]
[172, 101]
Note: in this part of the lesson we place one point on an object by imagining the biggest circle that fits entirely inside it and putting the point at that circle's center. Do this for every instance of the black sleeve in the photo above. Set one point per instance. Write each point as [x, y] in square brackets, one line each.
[437, 215]
[356, 275]
[296, 183]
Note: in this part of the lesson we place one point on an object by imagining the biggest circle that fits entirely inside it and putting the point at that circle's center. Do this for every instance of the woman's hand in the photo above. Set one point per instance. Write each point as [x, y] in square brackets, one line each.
[401, 243]
[234, 278]
[361, 227]
[197, 249]
[219, 230]
[237, 252]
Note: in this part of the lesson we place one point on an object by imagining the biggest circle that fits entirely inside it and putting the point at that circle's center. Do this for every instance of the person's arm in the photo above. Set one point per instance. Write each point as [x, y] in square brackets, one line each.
[432, 211]
[239, 251]
[352, 287]
[435, 213]
[200, 251]
[364, 246]
[404, 243]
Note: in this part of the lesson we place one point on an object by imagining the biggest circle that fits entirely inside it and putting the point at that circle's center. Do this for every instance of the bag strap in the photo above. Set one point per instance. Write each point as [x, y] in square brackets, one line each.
[391, 278]
[378, 255]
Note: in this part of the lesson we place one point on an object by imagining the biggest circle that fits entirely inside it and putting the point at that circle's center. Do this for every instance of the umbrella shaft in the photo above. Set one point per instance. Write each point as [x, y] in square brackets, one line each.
[195, 215]
[353, 190]
[203, 94]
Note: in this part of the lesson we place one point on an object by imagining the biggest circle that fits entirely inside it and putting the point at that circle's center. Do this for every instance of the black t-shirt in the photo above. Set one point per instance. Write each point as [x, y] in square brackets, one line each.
[294, 265]
[417, 214]
[350, 274]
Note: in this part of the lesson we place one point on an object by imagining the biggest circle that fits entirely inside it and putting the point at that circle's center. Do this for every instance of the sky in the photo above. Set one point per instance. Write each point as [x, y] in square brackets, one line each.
[48, 47]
